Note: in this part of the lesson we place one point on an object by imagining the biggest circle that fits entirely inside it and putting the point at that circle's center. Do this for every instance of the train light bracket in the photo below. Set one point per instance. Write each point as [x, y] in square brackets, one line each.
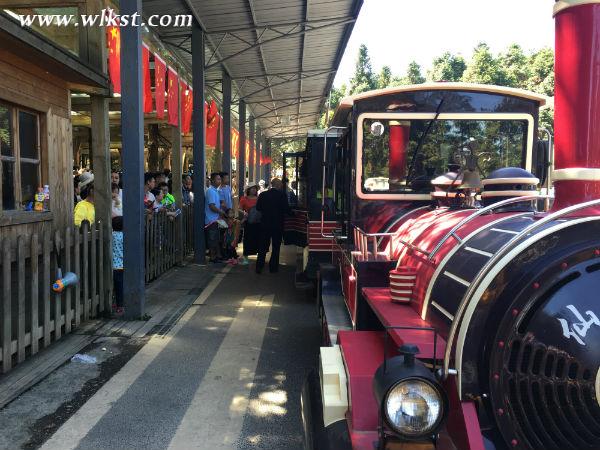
[413, 405]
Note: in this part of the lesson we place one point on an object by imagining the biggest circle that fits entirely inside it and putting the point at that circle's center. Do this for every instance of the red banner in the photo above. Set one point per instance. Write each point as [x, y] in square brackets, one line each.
[235, 139]
[113, 40]
[212, 124]
[146, 77]
[173, 98]
[160, 69]
[187, 106]
[247, 154]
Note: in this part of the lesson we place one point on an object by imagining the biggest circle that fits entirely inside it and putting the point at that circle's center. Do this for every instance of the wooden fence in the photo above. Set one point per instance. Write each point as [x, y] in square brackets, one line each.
[164, 246]
[187, 217]
[32, 315]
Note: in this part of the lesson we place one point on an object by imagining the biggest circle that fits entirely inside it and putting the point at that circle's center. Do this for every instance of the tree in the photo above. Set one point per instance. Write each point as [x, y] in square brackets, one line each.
[541, 74]
[384, 78]
[484, 68]
[413, 76]
[447, 67]
[515, 65]
[335, 96]
[363, 79]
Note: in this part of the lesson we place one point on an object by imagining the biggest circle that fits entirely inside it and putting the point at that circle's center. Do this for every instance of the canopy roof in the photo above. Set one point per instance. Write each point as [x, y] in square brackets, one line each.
[281, 54]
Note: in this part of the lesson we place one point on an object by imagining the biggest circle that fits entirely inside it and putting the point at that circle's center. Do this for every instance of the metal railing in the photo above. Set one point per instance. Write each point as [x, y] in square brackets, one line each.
[478, 213]
[323, 187]
[504, 250]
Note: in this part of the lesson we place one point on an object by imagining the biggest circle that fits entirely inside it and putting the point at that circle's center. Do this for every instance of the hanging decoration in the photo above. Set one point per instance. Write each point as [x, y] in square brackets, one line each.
[146, 78]
[187, 106]
[160, 69]
[113, 40]
[173, 98]
[235, 138]
[212, 124]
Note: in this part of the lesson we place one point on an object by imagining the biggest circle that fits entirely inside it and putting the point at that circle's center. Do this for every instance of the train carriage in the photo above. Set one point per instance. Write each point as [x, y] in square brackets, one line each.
[459, 306]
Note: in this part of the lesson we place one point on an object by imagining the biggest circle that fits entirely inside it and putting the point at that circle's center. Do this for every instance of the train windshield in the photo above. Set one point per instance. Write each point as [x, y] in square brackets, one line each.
[403, 156]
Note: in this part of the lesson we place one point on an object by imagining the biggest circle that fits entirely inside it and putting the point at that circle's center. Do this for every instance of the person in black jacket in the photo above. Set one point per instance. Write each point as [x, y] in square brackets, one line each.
[273, 206]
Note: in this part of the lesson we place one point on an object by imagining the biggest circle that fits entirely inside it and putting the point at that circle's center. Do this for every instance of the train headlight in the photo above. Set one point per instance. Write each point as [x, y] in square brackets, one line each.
[414, 408]
[413, 405]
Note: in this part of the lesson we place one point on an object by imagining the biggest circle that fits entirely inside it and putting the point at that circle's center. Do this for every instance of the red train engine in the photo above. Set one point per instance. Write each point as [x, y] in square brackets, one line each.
[460, 310]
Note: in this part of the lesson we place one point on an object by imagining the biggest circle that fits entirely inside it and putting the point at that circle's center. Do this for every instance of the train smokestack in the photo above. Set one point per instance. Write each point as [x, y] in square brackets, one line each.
[577, 102]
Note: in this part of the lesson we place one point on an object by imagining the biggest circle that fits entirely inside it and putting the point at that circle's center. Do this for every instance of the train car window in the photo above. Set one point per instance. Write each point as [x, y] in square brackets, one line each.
[403, 156]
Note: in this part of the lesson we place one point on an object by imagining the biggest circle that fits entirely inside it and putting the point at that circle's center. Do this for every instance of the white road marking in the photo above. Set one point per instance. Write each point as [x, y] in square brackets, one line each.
[68, 436]
[215, 416]
[209, 289]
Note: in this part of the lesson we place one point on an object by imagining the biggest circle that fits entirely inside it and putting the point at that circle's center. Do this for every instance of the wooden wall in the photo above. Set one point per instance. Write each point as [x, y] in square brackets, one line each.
[25, 84]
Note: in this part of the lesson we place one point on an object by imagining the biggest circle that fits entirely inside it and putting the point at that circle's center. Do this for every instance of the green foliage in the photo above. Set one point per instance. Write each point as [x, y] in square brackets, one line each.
[515, 65]
[484, 68]
[384, 78]
[447, 67]
[279, 146]
[541, 78]
[363, 79]
[514, 68]
[413, 76]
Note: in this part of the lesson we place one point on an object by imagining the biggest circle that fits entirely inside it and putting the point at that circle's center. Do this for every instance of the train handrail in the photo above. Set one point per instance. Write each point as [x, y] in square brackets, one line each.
[328, 236]
[492, 261]
[478, 213]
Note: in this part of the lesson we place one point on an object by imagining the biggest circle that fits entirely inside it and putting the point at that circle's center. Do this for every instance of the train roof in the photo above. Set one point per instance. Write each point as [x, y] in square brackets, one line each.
[347, 102]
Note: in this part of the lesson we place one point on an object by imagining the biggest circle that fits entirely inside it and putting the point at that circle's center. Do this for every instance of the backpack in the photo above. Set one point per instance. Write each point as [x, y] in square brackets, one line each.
[254, 216]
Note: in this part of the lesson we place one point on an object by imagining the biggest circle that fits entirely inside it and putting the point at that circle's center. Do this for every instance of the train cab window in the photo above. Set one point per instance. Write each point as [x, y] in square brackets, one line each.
[403, 155]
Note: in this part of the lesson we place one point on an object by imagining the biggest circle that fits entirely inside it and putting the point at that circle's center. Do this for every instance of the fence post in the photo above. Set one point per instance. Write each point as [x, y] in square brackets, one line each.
[67, 268]
[93, 269]
[35, 321]
[6, 308]
[77, 258]
[108, 273]
[57, 297]
[46, 286]
[85, 271]
[100, 267]
[21, 305]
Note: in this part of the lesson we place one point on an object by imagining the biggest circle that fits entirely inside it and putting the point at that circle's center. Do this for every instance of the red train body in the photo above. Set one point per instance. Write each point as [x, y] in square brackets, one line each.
[460, 315]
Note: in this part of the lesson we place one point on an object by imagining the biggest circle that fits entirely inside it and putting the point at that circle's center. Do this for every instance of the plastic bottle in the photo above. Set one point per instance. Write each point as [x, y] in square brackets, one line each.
[46, 197]
[39, 200]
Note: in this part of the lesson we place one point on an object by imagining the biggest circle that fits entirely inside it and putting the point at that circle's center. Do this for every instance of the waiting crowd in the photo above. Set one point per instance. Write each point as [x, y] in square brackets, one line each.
[258, 222]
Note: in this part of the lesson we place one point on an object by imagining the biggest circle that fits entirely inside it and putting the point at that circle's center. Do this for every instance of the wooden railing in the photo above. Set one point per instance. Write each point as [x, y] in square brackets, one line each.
[163, 241]
[32, 315]
[187, 216]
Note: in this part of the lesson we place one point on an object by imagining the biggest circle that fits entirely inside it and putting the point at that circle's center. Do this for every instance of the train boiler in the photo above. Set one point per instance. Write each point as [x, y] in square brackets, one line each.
[470, 320]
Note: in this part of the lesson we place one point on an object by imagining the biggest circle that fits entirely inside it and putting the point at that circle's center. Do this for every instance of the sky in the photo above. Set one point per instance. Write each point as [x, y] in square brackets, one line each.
[397, 32]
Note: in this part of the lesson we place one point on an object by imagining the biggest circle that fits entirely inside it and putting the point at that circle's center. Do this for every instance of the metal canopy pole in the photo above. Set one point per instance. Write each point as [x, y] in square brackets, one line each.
[132, 130]
[241, 162]
[257, 157]
[251, 176]
[226, 144]
[199, 144]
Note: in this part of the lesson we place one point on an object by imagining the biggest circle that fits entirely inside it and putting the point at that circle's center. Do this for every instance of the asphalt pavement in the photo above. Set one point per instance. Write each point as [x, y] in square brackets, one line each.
[226, 375]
